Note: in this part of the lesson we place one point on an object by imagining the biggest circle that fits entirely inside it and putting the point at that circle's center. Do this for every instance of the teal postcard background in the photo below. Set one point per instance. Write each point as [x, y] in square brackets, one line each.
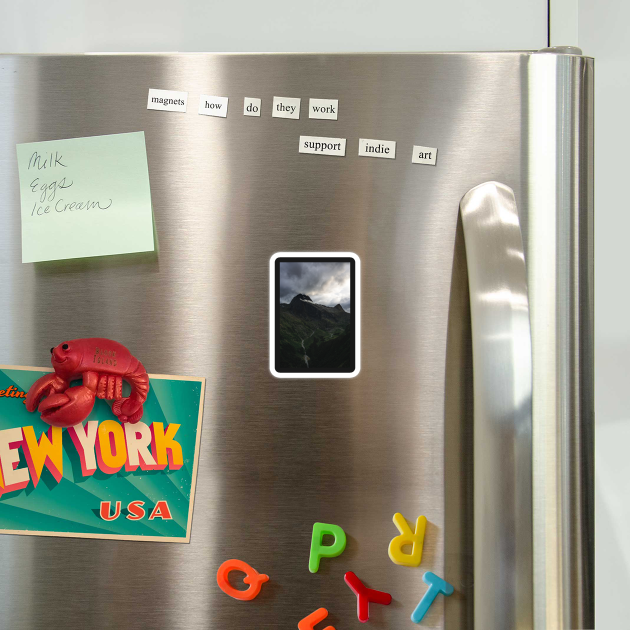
[72, 505]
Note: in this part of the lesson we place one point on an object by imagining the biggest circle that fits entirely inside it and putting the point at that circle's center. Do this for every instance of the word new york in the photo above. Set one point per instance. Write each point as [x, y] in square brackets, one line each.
[107, 446]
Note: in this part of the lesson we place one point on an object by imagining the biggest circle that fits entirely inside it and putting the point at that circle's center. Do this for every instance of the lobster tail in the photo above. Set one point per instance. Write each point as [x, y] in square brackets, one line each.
[139, 381]
[130, 409]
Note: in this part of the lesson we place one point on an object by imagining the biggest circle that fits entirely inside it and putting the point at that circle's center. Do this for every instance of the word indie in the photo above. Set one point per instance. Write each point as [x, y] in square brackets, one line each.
[108, 447]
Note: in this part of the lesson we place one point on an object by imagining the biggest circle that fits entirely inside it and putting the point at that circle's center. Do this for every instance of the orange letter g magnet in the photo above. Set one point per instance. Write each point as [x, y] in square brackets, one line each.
[252, 577]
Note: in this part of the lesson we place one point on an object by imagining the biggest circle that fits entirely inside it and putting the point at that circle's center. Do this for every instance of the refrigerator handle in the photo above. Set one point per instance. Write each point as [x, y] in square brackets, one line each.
[502, 374]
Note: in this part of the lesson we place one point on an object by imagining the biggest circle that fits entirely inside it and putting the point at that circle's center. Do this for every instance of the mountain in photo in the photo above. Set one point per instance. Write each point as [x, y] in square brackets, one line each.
[313, 336]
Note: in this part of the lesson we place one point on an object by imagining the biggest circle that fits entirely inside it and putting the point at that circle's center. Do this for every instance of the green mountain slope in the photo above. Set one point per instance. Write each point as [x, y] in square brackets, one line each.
[313, 335]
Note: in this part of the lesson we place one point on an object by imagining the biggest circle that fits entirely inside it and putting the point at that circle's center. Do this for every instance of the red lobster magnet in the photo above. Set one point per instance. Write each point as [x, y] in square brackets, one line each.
[103, 364]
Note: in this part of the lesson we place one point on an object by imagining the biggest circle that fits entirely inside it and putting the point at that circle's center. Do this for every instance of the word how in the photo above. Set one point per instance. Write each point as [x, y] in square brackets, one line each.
[213, 105]
[252, 577]
[107, 446]
[136, 511]
[285, 107]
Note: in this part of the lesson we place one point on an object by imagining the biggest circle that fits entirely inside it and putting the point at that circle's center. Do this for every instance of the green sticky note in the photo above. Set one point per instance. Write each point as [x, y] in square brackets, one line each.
[85, 197]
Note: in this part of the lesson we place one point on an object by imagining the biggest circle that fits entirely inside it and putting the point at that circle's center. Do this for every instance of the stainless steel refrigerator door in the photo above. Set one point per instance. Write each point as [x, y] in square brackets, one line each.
[280, 454]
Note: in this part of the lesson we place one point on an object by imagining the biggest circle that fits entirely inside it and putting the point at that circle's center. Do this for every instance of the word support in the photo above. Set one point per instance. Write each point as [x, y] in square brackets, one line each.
[213, 105]
[322, 146]
[167, 100]
[323, 108]
[377, 148]
[285, 107]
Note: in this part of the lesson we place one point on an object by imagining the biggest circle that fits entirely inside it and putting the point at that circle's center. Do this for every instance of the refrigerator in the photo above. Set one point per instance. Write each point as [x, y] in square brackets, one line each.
[452, 379]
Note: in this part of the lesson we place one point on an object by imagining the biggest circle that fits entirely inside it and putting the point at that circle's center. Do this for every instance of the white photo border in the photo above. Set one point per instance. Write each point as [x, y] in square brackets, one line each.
[356, 307]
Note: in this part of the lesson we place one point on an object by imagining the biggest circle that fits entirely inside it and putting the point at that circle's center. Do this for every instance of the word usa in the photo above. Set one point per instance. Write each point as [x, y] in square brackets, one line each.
[107, 446]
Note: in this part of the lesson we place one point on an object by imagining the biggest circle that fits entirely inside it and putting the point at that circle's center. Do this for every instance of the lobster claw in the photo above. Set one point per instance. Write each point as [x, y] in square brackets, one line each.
[68, 408]
[43, 386]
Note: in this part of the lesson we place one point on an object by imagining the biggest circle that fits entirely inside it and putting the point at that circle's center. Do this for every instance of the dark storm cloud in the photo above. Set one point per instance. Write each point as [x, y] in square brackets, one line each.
[325, 283]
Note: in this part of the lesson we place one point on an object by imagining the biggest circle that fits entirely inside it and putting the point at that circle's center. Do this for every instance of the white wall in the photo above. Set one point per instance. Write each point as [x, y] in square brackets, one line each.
[270, 25]
[604, 27]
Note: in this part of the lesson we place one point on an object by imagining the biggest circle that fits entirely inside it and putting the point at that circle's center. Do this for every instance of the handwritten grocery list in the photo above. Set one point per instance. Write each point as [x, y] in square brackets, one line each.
[85, 197]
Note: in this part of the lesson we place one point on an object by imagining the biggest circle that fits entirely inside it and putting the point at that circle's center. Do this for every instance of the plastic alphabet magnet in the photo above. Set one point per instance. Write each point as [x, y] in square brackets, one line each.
[308, 623]
[407, 537]
[319, 551]
[365, 596]
[252, 577]
[436, 586]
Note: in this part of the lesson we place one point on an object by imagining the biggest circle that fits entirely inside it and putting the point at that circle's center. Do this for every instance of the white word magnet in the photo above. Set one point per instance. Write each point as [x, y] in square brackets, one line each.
[424, 155]
[324, 108]
[322, 146]
[251, 106]
[167, 100]
[377, 148]
[284, 107]
[213, 105]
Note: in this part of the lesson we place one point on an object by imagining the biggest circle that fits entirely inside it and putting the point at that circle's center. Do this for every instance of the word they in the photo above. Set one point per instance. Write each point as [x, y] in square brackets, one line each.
[285, 107]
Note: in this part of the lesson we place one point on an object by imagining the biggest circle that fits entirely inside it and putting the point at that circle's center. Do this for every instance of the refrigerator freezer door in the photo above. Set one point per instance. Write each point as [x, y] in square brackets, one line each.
[278, 455]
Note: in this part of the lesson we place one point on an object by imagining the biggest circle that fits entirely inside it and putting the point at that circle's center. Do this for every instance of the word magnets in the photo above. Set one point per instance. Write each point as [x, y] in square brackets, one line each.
[319, 550]
[436, 586]
[252, 577]
[308, 623]
[407, 537]
[365, 595]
